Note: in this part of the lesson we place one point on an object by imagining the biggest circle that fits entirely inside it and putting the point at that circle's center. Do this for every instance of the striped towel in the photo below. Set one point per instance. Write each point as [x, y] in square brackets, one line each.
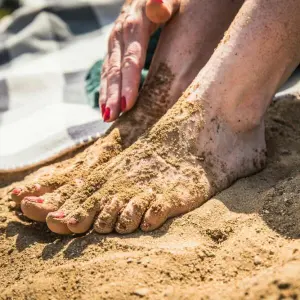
[46, 50]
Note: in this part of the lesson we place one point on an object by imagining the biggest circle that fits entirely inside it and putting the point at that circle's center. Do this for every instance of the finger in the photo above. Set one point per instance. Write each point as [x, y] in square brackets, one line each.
[103, 86]
[113, 77]
[136, 38]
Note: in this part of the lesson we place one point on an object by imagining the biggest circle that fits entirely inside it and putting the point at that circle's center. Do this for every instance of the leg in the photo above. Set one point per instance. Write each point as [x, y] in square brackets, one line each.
[211, 137]
[171, 72]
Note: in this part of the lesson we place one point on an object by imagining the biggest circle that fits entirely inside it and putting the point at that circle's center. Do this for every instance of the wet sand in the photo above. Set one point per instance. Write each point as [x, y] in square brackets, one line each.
[242, 244]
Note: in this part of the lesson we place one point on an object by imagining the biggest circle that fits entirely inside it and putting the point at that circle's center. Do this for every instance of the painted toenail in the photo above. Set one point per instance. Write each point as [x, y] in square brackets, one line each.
[103, 109]
[17, 191]
[73, 222]
[123, 103]
[34, 199]
[58, 214]
[106, 114]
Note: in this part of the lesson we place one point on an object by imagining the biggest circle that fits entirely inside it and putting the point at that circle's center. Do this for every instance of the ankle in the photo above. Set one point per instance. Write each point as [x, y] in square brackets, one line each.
[242, 107]
[243, 112]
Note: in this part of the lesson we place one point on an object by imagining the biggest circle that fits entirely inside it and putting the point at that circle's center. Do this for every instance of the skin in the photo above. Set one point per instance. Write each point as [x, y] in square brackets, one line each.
[212, 136]
[127, 47]
[51, 187]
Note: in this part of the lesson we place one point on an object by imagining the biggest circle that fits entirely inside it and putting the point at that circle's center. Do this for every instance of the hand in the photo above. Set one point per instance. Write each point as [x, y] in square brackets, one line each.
[127, 48]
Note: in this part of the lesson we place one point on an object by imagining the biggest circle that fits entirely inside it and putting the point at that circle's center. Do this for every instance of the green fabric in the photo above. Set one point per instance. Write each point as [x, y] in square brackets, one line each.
[92, 80]
[4, 12]
[8, 6]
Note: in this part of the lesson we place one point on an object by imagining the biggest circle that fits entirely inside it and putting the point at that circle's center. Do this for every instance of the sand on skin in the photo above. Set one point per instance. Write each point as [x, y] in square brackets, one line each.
[242, 244]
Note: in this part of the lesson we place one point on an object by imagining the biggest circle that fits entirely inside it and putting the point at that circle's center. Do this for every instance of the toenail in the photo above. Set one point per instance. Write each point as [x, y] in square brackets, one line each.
[123, 103]
[73, 221]
[34, 199]
[103, 109]
[37, 186]
[17, 191]
[106, 114]
[58, 214]
[145, 225]
[101, 225]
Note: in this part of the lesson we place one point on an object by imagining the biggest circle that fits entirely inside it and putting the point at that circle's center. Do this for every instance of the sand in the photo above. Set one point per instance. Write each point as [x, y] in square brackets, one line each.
[242, 244]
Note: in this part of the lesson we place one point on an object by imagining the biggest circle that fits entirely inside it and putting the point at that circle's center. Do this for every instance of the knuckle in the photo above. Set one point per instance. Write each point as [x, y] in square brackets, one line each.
[104, 74]
[102, 95]
[114, 70]
[131, 61]
[117, 31]
[130, 24]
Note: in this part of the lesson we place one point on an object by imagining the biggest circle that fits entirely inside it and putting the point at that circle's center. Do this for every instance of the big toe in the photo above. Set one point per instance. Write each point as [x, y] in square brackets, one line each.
[37, 208]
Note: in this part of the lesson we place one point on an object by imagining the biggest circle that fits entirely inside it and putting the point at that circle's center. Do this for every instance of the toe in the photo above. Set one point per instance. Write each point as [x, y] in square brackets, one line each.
[21, 192]
[56, 222]
[131, 217]
[106, 220]
[35, 209]
[156, 215]
[82, 224]
[174, 202]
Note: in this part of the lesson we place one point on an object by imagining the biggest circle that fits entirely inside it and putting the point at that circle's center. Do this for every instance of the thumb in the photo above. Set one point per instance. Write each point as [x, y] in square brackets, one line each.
[160, 11]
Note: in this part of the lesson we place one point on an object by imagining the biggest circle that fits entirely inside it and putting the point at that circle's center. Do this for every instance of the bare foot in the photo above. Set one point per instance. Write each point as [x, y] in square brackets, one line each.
[166, 81]
[188, 156]
[211, 137]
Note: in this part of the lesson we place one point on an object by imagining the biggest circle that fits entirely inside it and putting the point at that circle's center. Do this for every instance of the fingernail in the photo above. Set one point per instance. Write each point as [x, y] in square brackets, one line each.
[58, 214]
[106, 114]
[34, 199]
[16, 191]
[158, 1]
[123, 103]
[102, 109]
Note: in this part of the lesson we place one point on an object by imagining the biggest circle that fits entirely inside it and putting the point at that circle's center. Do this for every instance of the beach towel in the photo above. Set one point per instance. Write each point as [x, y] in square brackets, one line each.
[46, 50]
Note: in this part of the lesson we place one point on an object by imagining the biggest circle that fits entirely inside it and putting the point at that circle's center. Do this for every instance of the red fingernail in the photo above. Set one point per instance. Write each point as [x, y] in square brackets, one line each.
[34, 199]
[102, 109]
[58, 215]
[158, 1]
[106, 114]
[16, 191]
[123, 103]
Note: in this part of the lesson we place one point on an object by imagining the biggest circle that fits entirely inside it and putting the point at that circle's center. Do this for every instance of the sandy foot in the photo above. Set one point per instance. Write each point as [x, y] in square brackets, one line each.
[242, 244]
